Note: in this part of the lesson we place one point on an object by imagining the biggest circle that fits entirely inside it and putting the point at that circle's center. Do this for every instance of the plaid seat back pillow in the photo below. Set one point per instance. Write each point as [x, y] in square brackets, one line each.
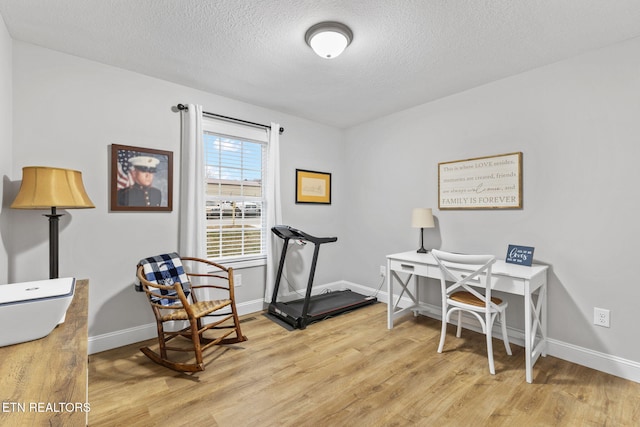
[166, 270]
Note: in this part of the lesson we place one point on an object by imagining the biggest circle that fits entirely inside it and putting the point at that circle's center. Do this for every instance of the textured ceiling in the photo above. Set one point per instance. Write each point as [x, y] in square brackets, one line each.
[404, 52]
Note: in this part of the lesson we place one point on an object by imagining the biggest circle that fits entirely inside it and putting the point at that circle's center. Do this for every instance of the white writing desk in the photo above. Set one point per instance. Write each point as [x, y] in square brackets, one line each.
[529, 282]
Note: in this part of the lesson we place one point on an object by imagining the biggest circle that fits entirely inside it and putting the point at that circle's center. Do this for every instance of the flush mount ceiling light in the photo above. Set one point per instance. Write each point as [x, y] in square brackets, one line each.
[328, 39]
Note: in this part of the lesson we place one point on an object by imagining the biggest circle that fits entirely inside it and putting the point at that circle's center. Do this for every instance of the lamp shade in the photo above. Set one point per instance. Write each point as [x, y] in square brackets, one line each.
[45, 187]
[422, 218]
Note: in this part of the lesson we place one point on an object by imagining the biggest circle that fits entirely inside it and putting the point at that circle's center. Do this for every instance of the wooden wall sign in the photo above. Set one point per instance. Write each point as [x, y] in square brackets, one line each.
[493, 182]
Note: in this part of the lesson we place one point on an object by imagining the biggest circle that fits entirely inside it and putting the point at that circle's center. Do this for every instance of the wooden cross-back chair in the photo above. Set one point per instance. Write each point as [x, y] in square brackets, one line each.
[173, 298]
[466, 286]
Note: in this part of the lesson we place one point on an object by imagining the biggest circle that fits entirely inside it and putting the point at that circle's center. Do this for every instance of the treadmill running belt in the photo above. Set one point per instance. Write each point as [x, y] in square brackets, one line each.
[326, 303]
[321, 306]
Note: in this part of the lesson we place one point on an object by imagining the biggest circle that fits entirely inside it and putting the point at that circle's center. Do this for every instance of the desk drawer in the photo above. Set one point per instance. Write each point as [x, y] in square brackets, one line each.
[499, 282]
[508, 284]
[410, 268]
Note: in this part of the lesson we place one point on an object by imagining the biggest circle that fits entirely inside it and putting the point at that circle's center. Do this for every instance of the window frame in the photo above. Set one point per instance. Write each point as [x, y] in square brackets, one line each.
[250, 134]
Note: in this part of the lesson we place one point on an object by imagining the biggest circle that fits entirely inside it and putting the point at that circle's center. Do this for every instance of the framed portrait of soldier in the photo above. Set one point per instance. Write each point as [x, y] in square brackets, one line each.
[141, 179]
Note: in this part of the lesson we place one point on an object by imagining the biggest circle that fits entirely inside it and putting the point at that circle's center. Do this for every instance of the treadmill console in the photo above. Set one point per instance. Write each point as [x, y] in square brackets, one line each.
[286, 232]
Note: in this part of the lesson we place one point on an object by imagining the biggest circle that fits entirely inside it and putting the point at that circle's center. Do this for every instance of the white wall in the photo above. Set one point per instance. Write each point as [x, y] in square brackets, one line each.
[577, 124]
[575, 121]
[6, 127]
[68, 111]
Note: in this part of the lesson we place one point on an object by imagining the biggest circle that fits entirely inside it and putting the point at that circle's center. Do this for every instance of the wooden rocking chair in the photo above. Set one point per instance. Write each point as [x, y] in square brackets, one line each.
[169, 288]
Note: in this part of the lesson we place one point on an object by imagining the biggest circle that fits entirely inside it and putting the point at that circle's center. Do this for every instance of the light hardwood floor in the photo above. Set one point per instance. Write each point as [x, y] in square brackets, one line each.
[351, 371]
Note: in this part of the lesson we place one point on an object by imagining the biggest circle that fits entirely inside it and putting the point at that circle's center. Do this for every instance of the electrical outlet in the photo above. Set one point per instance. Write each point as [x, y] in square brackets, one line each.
[383, 270]
[237, 280]
[601, 317]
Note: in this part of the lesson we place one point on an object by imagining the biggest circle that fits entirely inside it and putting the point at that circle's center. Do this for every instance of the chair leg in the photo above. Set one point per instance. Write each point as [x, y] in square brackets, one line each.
[505, 337]
[162, 345]
[236, 327]
[196, 340]
[443, 331]
[236, 322]
[492, 368]
[459, 329]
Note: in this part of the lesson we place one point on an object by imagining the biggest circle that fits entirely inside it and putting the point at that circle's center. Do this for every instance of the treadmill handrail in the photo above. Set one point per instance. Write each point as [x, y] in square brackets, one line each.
[287, 232]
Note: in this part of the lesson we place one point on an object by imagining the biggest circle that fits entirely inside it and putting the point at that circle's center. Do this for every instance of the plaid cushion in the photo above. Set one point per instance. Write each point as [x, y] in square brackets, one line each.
[166, 269]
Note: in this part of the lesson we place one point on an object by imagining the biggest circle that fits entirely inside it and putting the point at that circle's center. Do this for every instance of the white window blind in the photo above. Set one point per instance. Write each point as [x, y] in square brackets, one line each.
[235, 168]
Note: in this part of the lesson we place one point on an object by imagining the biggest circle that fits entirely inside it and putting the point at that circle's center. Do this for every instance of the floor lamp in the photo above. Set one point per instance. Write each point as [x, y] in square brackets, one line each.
[422, 218]
[44, 188]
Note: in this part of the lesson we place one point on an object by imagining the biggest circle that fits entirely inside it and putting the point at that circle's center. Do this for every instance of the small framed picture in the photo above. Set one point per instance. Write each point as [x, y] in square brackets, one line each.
[313, 187]
[141, 179]
[521, 255]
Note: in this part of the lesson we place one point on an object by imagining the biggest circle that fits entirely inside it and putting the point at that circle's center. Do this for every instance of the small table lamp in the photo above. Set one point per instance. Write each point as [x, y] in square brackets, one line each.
[422, 218]
[44, 188]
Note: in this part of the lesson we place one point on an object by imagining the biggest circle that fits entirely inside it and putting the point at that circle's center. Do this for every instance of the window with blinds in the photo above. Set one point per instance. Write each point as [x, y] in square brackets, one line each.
[235, 197]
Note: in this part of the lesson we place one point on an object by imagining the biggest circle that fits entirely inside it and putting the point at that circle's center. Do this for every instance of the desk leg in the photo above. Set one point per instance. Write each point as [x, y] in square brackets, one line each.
[389, 296]
[543, 301]
[394, 308]
[527, 337]
[416, 286]
[535, 313]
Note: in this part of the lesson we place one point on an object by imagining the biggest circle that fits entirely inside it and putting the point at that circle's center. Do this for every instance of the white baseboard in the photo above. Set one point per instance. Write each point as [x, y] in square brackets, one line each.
[623, 368]
[128, 336]
[607, 363]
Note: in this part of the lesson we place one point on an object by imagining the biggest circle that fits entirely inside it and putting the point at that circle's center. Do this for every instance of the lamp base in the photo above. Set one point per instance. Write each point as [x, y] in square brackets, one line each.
[54, 217]
[422, 250]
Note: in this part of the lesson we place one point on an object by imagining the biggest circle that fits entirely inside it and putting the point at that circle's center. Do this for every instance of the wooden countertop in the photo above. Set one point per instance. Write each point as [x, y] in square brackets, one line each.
[44, 382]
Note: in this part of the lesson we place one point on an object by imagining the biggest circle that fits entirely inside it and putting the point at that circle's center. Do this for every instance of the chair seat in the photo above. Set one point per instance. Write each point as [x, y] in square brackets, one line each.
[470, 299]
[200, 308]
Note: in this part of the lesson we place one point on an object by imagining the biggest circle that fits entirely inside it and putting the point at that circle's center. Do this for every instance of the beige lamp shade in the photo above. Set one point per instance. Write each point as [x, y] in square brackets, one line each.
[45, 187]
[422, 218]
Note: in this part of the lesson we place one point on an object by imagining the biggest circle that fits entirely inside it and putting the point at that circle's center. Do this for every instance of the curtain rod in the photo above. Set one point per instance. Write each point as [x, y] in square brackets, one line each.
[233, 119]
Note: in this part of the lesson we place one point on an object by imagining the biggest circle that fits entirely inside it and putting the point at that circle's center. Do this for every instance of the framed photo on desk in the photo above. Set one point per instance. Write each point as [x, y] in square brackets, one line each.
[520, 255]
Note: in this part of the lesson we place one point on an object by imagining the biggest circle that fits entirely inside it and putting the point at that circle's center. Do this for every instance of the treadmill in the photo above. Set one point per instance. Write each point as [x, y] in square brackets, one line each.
[302, 312]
